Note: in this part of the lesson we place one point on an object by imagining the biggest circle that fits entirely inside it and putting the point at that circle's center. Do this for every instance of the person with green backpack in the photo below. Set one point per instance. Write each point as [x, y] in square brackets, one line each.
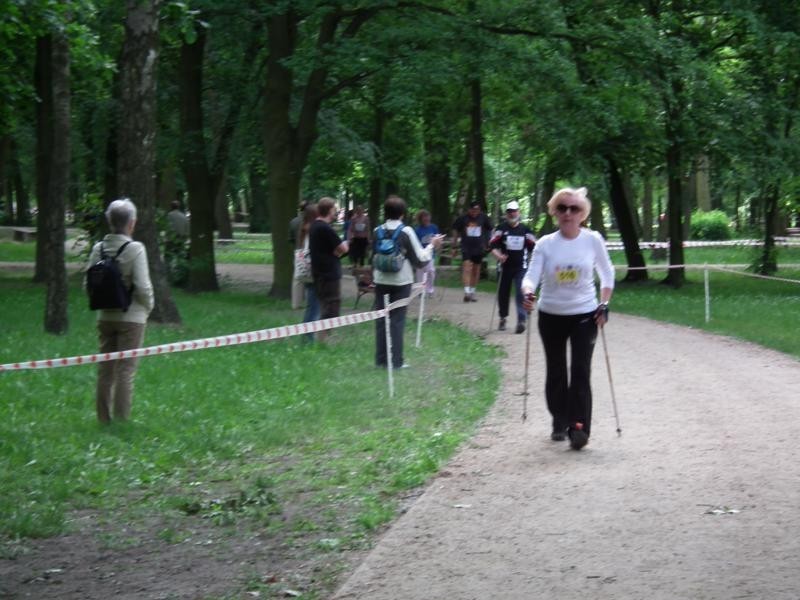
[396, 253]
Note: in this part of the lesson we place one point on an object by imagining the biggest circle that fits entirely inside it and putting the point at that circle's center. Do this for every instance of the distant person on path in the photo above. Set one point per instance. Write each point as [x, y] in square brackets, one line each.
[294, 227]
[512, 244]
[426, 231]
[564, 264]
[118, 329]
[358, 236]
[312, 304]
[473, 228]
[326, 248]
[397, 284]
[175, 251]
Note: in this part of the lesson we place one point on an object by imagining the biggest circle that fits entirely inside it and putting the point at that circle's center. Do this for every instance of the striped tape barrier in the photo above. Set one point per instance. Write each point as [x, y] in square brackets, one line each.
[234, 339]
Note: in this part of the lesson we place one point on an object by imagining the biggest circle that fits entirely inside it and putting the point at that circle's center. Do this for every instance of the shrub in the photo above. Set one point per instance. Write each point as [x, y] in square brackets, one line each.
[712, 225]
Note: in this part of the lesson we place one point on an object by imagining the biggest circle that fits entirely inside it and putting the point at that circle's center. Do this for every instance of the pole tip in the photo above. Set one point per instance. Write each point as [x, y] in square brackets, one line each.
[619, 432]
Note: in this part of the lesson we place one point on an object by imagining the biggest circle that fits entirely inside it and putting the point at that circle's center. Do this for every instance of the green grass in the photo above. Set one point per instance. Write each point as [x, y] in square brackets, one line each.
[762, 311]
[232, 434]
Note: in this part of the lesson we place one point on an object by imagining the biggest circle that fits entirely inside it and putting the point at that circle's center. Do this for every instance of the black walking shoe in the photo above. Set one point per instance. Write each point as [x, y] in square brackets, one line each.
[502, 326]
[466, 298]
[558, 435]
[577, 436]
[520, 327]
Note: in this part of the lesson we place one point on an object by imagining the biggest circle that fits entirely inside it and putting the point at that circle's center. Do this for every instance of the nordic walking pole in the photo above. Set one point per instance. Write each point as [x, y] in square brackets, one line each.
[610, 379]
[527, 363]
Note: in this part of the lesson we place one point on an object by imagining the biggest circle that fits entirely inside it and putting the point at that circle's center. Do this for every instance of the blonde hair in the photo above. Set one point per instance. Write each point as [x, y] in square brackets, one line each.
[579, 194]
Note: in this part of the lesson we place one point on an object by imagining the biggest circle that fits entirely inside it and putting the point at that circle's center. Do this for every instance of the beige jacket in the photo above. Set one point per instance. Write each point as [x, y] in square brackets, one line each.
[133, 266]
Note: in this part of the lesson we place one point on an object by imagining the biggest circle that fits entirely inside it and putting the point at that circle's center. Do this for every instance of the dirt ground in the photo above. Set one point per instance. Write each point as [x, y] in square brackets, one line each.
[698, 498]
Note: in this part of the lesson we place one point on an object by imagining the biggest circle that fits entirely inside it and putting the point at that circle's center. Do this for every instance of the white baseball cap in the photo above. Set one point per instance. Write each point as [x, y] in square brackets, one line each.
[513, 205]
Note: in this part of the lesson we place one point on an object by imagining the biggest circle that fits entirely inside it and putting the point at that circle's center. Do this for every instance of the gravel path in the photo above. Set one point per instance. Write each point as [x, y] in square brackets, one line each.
[698, 498]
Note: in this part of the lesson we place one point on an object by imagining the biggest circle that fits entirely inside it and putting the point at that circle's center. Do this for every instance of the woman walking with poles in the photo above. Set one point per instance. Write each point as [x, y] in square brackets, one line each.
[563, 266]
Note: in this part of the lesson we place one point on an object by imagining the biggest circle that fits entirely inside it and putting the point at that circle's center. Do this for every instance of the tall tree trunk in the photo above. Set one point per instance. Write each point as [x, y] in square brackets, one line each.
[647, 209]
[437, 164]
[767, 264]
[6, 180]
[44, 143]
[376, 183]
[627, 228]
[675, 275]
[194, 164]
[476, 143]
[137, 148]
[23, 215]
[55, 313]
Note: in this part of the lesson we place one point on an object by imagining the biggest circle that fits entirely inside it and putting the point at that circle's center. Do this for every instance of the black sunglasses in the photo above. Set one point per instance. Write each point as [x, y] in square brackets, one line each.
[565, 208]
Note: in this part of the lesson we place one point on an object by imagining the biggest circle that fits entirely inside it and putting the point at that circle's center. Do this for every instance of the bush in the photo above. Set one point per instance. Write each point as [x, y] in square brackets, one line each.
[712, 225]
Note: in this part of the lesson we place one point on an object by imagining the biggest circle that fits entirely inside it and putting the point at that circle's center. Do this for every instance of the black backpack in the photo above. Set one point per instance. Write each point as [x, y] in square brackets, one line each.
[104, 283]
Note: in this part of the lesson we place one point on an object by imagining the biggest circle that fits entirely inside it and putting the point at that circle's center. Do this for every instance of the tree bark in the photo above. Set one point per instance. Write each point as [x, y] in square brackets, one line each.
[202, 265]
[437, 164]
[44, 143]
[676, 274]
[52, 224]
[647, 209]
[476, 114]
[137, 141]
[620, 204]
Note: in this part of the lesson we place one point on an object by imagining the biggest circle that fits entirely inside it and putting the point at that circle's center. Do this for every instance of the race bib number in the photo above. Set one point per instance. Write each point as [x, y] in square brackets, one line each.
[568, 275]
[515, 242]
[474, 231]
[360, 227]
[426, 239]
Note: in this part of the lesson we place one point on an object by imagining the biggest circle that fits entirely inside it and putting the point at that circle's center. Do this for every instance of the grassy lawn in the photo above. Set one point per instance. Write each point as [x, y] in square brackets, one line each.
[298, 443]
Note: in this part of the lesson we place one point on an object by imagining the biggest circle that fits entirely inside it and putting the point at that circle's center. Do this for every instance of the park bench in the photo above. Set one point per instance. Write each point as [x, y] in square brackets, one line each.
[364, 283]
[24, 234]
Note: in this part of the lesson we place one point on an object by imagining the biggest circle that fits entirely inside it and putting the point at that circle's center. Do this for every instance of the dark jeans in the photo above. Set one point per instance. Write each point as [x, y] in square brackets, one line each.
[397, 322]
[568, 400]
[312, 306]
[509, 275]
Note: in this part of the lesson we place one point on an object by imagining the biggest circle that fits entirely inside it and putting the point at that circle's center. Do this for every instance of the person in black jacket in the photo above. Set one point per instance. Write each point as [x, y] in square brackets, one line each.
[512, 245]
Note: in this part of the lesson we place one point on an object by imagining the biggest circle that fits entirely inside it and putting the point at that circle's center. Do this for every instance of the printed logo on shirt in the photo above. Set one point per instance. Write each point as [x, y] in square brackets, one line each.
[567, 275]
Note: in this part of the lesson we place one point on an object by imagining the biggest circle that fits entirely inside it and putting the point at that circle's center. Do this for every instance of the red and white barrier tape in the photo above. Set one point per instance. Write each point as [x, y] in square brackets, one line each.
[781, 241]
[263, 335]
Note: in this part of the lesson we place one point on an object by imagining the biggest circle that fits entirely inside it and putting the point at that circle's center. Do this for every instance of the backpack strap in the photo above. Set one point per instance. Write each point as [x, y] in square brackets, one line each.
[121, 248]
[397, 233]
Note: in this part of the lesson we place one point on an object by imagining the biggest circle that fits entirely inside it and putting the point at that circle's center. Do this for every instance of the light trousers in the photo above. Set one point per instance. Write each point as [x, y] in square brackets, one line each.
[115, 377]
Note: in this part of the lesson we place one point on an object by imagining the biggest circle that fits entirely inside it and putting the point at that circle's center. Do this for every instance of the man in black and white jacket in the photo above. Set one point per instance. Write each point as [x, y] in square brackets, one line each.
[397, 284]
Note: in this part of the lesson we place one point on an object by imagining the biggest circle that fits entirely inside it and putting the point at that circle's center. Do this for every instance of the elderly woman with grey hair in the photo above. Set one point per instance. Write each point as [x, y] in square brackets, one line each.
[120, 329]
[564, 264]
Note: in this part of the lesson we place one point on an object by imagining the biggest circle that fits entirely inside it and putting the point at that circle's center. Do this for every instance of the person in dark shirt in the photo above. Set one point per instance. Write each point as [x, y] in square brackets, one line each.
[473, 228]
[326, 248]
[512, 244]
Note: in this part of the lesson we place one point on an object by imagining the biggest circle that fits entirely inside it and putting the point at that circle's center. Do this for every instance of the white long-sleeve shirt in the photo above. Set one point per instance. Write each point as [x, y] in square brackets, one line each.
[565, 270]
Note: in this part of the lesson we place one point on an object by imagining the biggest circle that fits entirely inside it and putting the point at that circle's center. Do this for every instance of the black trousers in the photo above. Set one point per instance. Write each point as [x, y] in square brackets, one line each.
[509, 275]
[397, 323]
[569, 395]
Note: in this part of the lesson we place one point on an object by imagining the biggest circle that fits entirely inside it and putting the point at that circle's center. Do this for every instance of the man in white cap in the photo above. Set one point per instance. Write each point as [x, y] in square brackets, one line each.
[512, 245]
